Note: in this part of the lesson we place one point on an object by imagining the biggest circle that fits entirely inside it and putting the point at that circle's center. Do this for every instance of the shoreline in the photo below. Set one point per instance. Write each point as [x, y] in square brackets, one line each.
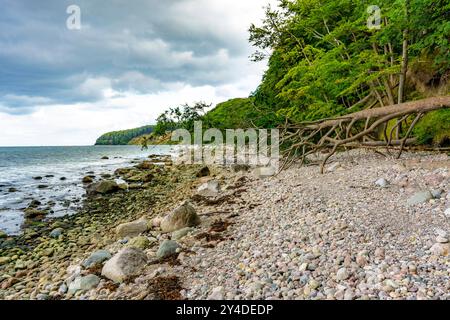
[299, 235]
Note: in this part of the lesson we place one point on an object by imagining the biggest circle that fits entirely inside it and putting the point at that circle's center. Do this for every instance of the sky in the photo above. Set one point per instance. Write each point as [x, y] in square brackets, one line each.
[129, 61]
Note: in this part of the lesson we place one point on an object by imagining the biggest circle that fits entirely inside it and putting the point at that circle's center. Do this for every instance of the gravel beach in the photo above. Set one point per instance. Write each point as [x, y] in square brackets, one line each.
[370, 228]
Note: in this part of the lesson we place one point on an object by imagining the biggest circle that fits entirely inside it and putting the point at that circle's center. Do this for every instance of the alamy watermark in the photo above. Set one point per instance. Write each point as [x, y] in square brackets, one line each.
[73, 22]
[255, 147]
[374, 20]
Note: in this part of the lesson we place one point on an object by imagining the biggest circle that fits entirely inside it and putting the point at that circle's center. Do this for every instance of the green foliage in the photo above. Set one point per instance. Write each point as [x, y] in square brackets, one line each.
[325, 59]
[181, 117]
[434, 128]
[123, 137]
[237, 113]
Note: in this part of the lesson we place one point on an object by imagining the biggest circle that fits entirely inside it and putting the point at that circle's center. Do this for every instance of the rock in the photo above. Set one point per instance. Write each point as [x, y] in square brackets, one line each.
[209, 189]
[123, 186]
[37, 178]
[447, 212]
[420, 197]
[177, 235]
[382, 183]
[87, 179]
[126, 263]
[333, 166]
[139, 242]
[182, 217]
[96, 258]
[105, 158]
[4, 260]
[84, 283]
[12, 190]
[132, 229]
[63, 178]
[379, 253]
[145, 165]
[441, 233]
[42, 186]
[31, 213]
[240, 167]
[34, 204]
[103, 187]
[203, 172]
[156, 222]
[342, 274]
[217, 293]
[49, 176]
[440, 239]
[63, 289]
[437, 193]
[440, 249]
[264, 172]
[56, 232]
[166, 249]
[3, 235]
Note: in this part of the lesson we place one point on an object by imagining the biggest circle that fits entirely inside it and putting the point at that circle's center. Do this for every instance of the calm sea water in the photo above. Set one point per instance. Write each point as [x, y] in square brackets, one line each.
[61, 169]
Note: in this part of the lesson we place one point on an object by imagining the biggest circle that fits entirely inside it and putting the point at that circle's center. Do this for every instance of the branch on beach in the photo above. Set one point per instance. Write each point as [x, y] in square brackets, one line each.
[369, 128]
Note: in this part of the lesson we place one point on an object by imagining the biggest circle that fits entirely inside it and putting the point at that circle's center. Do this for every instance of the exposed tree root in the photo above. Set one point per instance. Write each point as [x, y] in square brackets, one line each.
[359, 129]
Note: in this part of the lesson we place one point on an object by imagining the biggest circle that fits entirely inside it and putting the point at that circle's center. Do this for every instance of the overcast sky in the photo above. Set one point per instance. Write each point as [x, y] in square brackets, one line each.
[130, 61]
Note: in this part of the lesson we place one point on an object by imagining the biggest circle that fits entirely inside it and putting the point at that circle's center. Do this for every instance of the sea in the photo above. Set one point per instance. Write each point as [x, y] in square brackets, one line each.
[53, 176]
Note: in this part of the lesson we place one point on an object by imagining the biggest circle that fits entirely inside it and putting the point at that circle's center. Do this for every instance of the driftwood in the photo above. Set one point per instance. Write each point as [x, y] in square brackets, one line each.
[358, 129]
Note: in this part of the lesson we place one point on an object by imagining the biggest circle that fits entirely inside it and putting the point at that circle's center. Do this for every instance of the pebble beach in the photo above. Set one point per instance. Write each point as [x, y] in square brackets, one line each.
[371, 227]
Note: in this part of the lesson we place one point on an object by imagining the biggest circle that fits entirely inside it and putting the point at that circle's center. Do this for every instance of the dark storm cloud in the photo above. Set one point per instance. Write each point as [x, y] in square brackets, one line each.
[139, 46]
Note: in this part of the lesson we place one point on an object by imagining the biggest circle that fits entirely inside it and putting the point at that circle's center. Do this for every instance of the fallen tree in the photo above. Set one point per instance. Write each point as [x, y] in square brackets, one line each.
[358, 129]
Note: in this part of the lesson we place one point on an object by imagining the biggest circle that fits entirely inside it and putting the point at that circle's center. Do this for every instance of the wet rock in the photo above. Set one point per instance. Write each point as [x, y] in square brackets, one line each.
[103, 187]
[132, 229]
[166, 249]
[56, 232]
[12, 190]
[203, 172]
[42, 186]
[37, 178]
[34, 204]
[63, 178]
[105, 158]
[125, 264]
[182, 217]
[84, 283]
[31, 213]
[3, 235]
[420, 197]
[87, 179]
[96, 258]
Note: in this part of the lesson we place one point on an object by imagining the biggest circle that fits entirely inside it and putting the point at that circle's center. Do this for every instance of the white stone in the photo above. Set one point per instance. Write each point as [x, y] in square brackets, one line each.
[209, 189]
[216, 294]
[383, 183]
[128, 262]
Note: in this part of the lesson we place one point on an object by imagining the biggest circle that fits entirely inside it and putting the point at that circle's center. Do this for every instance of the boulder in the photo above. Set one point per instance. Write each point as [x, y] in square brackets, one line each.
[182, 217]
[105, 158]
[31, 213]
[132, 229]
[103, 187]
[3, 235]
[125, 264]
[96, 258]
[86, 283]
[420, 197]
[166, 249]
[209, 189]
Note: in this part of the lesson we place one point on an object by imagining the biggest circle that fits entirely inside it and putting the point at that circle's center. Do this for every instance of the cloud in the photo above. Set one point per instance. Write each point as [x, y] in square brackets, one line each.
[125, 53]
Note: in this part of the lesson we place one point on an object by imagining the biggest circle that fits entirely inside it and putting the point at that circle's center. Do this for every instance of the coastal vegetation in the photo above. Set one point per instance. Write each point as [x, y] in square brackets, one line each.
[123, 137]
